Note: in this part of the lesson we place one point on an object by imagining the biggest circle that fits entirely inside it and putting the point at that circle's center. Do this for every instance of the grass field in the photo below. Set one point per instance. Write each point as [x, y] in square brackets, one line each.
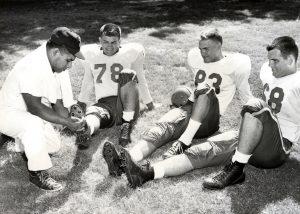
[167, 29]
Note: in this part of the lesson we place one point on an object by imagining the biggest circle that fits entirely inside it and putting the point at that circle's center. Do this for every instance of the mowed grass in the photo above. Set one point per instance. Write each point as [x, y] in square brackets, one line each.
[167, 29]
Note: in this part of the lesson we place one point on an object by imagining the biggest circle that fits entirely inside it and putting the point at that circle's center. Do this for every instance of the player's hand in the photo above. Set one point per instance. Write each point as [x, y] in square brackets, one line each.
[201, 89]
[75, 124]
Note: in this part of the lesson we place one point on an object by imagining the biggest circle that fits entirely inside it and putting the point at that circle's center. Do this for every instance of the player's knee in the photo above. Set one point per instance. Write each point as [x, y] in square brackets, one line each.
[252, 106]
[126, 76]
[201, 151]
[98, 112]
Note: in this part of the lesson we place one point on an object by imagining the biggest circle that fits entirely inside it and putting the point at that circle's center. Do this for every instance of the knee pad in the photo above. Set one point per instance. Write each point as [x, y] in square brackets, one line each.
[127, 75]
[99, 112]
[181, 96]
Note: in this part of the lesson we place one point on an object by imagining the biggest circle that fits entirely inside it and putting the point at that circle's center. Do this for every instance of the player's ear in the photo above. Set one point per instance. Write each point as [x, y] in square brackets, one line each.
[291, 60]
[55, 51]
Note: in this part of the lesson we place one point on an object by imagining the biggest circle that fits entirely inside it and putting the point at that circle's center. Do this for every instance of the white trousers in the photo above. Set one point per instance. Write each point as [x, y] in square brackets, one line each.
[32, 134]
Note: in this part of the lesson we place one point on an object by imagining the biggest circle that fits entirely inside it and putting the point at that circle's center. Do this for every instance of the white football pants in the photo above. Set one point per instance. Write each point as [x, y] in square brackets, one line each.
[32, 134]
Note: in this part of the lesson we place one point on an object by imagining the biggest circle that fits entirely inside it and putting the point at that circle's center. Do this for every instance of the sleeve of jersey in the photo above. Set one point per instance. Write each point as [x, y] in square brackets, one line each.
[66, 88]
[138, 66]
[87, 87]
[242, 74]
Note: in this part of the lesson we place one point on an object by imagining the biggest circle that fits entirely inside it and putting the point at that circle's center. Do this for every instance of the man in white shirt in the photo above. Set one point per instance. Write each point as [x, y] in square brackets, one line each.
[115, 74]
[31, 99]
[269, 126]
[217, 77]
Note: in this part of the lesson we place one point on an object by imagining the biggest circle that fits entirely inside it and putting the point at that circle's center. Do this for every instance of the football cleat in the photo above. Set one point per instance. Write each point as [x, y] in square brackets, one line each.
[112, 159]
[83, 138]
[124, 138]
[177, 148]
[43, 180]
[233, 173]
[136, 175]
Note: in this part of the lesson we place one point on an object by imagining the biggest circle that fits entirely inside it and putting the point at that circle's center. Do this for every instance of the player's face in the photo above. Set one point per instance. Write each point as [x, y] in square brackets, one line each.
[210, 50]
[279, 65]
[62, 61]
[110, 44]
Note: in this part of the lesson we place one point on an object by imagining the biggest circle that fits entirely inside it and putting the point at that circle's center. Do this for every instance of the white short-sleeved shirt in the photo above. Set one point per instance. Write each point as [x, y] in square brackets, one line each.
[228, 74]
[102, 72]
[283, 96]
[32, 75]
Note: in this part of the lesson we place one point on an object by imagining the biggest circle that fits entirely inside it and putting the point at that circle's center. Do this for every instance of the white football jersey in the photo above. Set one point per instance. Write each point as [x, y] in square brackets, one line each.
[226, 75]
[102, 72]
[283, 96]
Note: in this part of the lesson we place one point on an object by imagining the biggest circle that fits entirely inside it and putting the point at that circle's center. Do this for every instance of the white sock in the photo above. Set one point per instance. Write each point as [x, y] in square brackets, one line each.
[190, 132]
[93, 122]
[159, 171]
[136, 154]
[240, 157]
[128, 115]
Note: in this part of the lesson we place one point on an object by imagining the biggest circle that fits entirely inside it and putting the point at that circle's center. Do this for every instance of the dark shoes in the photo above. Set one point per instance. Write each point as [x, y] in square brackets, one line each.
[112, 159]
[126, 129]
[233, 173]
[136, 175]
[83, 138]
[177, 148]
[43, 180]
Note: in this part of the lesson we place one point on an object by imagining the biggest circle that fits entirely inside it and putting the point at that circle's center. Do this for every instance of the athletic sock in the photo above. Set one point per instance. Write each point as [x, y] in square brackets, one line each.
[190, 132]
[93, 122]
[240, 157]
[149, 174]
[159, 171]
[128, 115]
[136, 154]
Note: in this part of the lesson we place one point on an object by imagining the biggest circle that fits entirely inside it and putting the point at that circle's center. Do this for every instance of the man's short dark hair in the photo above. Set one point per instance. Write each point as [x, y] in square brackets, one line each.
[110, 29]
[211, 33]
[286, 45]
[51, 45]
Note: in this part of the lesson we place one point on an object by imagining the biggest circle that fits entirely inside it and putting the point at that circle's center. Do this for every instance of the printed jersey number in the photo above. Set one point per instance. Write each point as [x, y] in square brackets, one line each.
[115, 70]
[201, 75]
[276, 98]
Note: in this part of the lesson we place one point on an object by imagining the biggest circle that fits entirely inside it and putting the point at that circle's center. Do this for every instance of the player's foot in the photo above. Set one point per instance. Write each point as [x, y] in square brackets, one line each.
[112, 159]
[126, 128]
[177, 148]
[43, 180]
[83, 138]
[233, 173]
[136, 175]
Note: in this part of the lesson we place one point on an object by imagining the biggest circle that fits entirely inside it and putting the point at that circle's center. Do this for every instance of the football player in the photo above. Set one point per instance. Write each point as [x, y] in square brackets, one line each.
[114, 73]
[269, 126]
[32, 97]
[217, 77]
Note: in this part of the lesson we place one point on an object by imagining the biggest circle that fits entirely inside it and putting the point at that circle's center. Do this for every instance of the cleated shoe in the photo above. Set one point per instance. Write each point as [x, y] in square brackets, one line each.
[112, 159]
[43, 180]
[136, 175]
[233, 173]
[124, 138]
[177, 148]
[83, 138]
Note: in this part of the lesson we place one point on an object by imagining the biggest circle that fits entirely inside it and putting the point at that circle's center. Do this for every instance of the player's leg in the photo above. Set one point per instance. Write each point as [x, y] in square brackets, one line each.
[168, 128]
[204, 121]
[128, 98]
[31, 131]
[259, 135]
[100, 115]
[215, 151]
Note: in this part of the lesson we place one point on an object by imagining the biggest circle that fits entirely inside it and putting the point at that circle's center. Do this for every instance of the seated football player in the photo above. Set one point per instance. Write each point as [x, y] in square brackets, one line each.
[269, 126]
[115, 74]
[217, 76]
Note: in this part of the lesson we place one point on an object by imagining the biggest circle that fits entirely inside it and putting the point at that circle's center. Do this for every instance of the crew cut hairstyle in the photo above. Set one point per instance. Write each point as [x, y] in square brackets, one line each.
[286, 45]
[211, 33]
[61, 48]
[110, 29]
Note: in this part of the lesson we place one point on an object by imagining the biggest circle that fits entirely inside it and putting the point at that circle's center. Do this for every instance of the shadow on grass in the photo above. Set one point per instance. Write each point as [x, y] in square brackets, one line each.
[264, 187]
[73, 178]
[26, 23]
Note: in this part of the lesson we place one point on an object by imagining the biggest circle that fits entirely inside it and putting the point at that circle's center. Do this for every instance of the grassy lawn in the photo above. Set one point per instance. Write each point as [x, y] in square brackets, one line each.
[167, 29]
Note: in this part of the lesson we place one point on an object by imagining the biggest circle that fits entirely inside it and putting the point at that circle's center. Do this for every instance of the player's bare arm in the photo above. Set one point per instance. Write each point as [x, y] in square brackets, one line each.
[59, 108]
[35, 107]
